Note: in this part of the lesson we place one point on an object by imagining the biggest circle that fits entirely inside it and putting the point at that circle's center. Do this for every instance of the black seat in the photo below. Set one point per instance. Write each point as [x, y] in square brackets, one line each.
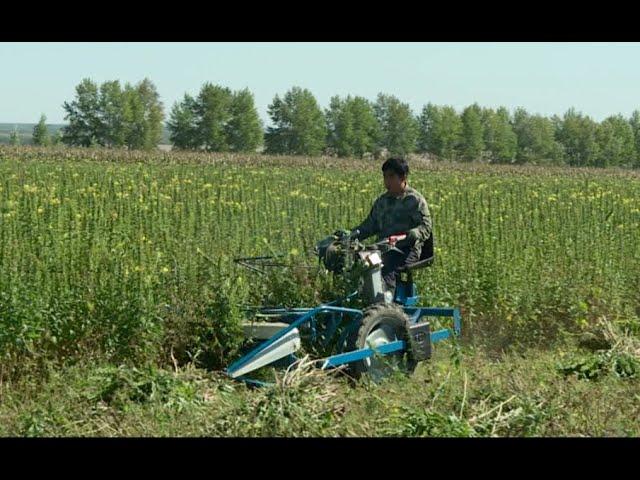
[427, 257]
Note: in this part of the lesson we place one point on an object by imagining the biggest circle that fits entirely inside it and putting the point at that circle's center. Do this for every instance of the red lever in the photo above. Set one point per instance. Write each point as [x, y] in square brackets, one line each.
[393, 239]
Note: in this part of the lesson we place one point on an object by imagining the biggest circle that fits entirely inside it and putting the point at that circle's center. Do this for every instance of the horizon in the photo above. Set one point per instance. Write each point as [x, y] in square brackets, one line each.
[597, 79]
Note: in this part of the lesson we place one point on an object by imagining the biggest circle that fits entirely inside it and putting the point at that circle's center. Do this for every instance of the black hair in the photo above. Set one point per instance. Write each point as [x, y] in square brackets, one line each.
[397, 165]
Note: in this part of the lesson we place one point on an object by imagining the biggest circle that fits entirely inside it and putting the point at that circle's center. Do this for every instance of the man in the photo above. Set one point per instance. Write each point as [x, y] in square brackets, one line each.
[401, 210]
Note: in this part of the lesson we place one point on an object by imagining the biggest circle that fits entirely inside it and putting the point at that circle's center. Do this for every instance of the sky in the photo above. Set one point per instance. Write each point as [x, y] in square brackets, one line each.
[598, 79]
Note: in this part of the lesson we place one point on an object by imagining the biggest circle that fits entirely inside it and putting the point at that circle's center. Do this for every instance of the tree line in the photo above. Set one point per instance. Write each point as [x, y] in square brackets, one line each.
[109, 115]
[218, 119]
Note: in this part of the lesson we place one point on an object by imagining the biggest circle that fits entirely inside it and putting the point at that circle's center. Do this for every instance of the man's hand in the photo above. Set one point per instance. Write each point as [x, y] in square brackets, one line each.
[352, 235]
[398, 237]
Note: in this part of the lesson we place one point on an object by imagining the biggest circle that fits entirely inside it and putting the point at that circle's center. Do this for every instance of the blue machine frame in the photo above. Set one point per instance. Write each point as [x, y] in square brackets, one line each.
[405, 296]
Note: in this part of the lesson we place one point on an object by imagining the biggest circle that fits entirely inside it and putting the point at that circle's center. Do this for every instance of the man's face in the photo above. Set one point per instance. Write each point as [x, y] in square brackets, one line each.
[393, 182]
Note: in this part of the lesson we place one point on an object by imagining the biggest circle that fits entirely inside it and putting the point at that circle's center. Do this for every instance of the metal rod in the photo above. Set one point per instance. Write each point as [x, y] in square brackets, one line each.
[335, 360]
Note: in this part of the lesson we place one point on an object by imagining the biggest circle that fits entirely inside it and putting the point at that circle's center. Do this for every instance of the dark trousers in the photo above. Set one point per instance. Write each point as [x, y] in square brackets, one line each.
[393, 261]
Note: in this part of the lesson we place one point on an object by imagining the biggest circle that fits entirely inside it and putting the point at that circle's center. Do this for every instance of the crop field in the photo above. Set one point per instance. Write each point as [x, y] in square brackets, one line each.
[119, 296]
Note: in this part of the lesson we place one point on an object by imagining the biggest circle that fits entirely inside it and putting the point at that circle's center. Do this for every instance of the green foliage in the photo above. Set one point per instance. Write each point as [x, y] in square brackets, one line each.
[56, 138]
[218, 120]
[205, 330]
[299, 125]
[99, 257]
[352, 126]
[41, 135]
[112, 111]
[634, 121]
[518, 394]
[440, 131]
[398, 127]
[114, 117]
[625, 365]
[14, 137]
[577, 134]
[588, 367]
[536, 138]
[244, 129]
[223, 336]
[82, 113]
[144, 116]
[616, 143]
[183, 124]
[302, 403]
[472, 133]
[120, 385]
[596, 365]
[424, 423]
[213, 108]
[500, 140]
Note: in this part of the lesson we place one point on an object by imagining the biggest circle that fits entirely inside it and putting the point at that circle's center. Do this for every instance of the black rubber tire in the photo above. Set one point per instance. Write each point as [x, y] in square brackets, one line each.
[394, 318]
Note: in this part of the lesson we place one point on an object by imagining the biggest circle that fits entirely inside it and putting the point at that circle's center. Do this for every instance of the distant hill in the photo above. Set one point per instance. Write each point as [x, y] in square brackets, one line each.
[25, 130]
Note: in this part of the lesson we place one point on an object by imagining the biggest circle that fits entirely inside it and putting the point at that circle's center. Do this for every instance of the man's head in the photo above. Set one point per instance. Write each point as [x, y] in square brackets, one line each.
[395, 171]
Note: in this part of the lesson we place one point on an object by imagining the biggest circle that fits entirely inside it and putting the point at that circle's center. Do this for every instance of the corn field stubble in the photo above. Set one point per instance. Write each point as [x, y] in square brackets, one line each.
[116, 276]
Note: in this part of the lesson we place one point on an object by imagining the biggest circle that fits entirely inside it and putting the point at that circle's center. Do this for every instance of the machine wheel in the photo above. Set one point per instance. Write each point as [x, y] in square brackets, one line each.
[382, 324]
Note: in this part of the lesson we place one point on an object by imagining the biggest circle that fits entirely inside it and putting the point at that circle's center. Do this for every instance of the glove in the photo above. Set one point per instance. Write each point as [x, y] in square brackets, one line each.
[341, 234]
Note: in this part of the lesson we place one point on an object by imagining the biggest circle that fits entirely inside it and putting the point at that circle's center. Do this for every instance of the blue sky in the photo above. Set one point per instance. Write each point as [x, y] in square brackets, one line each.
[598, 79]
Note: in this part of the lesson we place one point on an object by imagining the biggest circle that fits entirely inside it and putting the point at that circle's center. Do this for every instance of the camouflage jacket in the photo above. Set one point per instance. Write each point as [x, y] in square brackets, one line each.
[408, 213]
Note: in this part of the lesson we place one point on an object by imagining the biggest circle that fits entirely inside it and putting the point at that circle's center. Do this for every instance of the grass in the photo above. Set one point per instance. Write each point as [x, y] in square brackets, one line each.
[519, 394]
[120, 304]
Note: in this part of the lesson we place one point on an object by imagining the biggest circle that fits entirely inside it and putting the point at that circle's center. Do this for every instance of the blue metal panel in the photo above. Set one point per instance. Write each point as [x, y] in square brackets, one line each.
[410, 301]
[304, 318]
[457, 323]
[440, 335]
[361, 354]
[405, 293]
